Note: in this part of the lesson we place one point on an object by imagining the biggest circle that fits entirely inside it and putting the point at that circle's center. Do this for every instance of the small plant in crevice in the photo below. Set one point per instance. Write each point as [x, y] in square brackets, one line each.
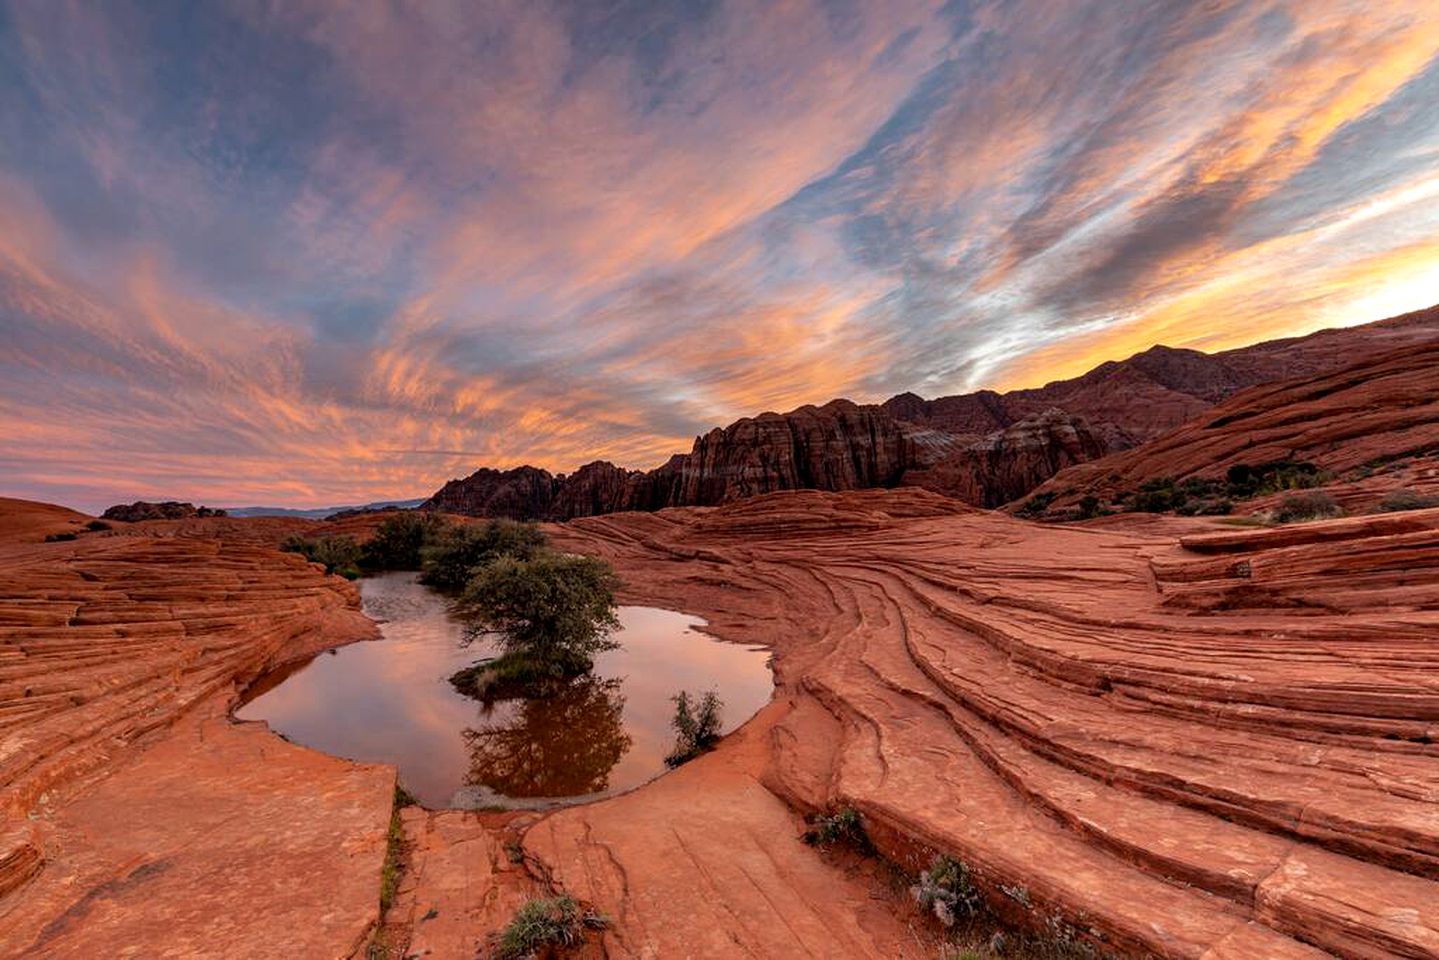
[394, 850]
[696, 724]
[57, 537]
[844, 826]
[946, 890]
[558, 921]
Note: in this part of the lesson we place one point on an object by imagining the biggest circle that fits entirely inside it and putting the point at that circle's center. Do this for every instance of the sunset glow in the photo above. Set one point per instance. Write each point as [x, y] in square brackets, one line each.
[302, 254]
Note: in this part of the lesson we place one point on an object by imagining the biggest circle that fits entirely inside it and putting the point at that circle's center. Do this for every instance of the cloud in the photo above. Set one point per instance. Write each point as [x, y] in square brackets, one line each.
[287, 253]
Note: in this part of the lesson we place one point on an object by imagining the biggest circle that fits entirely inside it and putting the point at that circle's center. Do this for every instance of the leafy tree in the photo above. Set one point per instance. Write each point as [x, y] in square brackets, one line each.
[552, 612]
[338, 554]
[398, 541]
[459, 551]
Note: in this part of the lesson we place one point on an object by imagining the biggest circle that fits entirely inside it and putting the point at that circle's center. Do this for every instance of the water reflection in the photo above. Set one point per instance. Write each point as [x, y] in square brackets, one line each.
[390, 701]
[561, 745]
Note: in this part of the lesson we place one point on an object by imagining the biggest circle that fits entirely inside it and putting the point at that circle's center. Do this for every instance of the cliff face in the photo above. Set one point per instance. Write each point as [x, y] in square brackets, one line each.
[840, 446]
[984, 448]
[1011, 462]
[524, 493]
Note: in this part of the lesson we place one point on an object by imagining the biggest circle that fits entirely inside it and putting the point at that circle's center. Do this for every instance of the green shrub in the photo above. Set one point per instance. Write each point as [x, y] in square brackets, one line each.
[458, 551]
[1312, 505]
[338, 554]
[399, 540]
[697, 726]
[547, 922]
[1088, 508]
[1245, 481]
[551, 613]
[57, 537]
[845, 825]
[1158, 496]
[98, 525]
[1036, 505]
[1397, 500]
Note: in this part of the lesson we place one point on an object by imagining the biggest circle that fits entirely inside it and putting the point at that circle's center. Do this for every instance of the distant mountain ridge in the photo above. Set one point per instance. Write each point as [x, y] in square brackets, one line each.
[320, 513]
[986, 448]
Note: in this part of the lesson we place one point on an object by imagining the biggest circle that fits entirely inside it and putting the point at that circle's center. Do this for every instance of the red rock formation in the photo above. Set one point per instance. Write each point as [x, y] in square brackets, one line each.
[1157, 390]
[984, 448]
[166, 510]
[524, 493]
[1376, 410]
[1061, 709]
[137, 817]
[1011, 462]
[840, 446]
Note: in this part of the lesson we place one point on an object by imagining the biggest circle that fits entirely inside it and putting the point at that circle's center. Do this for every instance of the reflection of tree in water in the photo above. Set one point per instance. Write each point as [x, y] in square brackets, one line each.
[561, 745]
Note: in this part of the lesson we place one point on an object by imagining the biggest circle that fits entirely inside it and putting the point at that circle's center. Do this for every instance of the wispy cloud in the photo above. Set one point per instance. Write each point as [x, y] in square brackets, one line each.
[298, 254]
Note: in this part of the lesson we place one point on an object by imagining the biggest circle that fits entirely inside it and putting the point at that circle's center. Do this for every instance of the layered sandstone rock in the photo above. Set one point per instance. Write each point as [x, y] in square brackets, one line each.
[140, 819]
[1063, 710]
[1373, 412]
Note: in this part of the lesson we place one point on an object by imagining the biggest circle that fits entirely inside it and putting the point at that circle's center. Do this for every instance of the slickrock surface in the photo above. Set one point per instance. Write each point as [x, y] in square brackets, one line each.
[1225, 748]
[139, 821]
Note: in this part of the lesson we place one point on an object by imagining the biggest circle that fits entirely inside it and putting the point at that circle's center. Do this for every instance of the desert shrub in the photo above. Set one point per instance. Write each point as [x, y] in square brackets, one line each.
[1397, 500]
[1244, 480]
[546, 922]
[945, 889]
[697, 725]
[1088, 508]
[98, 525]
[1158, 496]
[551, 613]
[845, 826]
[1312, 505]
[1036, 505]
[338, 554]
[64, 535]
[458, 551]
[399, 540]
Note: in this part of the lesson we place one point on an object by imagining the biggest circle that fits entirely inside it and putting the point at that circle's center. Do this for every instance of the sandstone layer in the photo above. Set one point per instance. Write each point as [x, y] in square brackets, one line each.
[138, 820]
[1203, 744]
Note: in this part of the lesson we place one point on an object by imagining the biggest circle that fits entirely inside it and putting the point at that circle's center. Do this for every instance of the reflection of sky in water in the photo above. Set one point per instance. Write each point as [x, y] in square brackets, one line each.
[390, 701]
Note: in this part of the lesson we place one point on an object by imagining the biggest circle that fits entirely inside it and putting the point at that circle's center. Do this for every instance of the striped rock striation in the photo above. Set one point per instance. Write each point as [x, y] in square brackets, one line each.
[137, 817]
[1168, 737]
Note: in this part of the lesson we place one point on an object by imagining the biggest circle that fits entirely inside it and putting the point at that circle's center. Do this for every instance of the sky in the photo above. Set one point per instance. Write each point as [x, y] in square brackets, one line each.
[308, 253]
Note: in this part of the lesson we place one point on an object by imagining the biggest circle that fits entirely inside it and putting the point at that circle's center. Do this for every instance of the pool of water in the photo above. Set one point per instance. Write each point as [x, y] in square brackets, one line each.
[390, 701]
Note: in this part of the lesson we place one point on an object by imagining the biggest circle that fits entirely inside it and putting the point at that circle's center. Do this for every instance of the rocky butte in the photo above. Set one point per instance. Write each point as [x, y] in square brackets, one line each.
[1143, 734]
